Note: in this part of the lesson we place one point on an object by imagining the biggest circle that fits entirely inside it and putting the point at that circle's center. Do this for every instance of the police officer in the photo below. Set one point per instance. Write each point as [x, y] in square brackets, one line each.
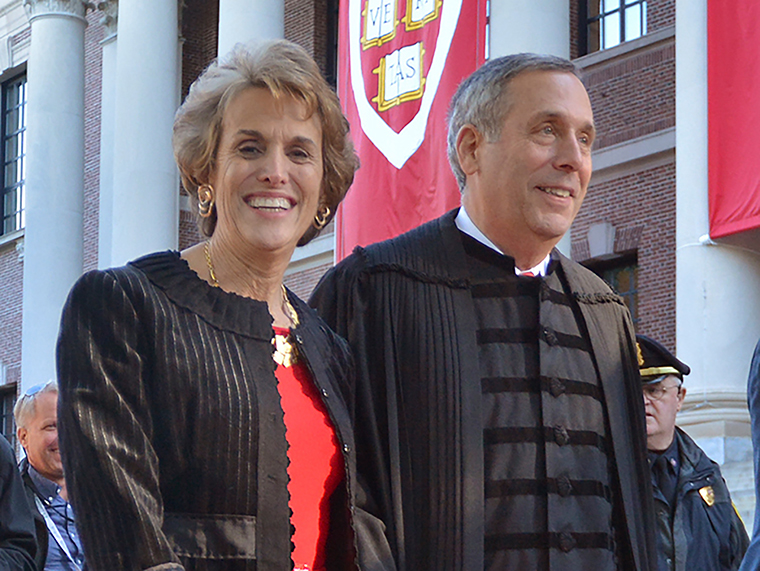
[698, 526]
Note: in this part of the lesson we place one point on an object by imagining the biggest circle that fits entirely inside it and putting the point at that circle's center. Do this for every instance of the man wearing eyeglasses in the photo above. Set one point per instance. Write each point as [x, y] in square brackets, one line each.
[697, 524]
[42, 471]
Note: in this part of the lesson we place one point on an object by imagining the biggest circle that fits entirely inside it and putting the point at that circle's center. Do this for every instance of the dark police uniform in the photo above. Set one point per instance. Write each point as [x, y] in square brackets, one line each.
[698, 527]
[702, 531]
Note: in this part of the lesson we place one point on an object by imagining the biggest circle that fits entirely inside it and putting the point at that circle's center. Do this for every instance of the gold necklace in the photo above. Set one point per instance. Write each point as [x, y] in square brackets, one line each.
[211, 273]
[284, 350]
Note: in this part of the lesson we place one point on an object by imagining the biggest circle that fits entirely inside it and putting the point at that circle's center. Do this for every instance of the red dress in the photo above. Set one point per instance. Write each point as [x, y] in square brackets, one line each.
[316, 465]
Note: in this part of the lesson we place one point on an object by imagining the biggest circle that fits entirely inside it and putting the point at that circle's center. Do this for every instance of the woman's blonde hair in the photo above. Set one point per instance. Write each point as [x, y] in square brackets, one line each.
[284, 69]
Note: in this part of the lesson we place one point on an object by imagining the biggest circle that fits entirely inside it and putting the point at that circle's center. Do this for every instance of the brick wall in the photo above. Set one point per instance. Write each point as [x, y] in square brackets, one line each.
[660, 14]
[633, 95]
[643, 205]
[200, 29]
[306, 25]
[93, 66]
[11, 296]
[188, 228]
[302, 283]
[11, 290]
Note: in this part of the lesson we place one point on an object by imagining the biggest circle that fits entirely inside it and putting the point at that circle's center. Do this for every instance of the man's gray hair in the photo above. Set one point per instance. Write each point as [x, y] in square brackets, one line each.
[481, 100]
[25, 407]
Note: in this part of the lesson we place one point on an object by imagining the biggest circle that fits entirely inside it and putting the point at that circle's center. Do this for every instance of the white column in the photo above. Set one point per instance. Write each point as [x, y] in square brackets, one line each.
[718, 300]
[53, 249]
[246, 20]
[146, 183]
[717, 296]
[110, 10]
[539, 26]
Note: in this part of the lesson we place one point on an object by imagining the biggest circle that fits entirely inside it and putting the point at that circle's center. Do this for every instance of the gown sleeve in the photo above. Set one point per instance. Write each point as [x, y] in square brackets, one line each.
[339, 302]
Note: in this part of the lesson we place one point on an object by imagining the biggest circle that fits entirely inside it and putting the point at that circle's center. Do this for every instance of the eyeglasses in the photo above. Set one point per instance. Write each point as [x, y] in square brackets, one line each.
[656, 391]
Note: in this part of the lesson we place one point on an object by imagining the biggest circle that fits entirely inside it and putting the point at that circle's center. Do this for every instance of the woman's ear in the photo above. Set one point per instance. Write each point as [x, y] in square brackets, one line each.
[469, 142]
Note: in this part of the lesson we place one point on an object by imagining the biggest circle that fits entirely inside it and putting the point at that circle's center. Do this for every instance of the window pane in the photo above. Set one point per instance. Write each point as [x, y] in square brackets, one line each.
[14, 148]
[12, 95]
[624, 279]
[11, 147]
[7, 399]
[12, 120]
[11, 174]
[610, 5]
[9, 203]
[611, 30]
[633, 22]
[593, 36]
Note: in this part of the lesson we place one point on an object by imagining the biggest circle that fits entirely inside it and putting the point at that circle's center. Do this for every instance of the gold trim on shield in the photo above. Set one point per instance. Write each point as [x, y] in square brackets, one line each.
[366, 44]
[409, 25]
[382, 103]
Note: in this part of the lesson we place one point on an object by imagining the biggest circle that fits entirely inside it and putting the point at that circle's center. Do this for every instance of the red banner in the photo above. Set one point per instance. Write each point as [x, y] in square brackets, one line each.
[733, 71]
[399, 63]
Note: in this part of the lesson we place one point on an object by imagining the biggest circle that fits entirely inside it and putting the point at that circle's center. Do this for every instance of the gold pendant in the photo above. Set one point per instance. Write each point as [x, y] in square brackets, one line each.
[284, 352]
[708, 495]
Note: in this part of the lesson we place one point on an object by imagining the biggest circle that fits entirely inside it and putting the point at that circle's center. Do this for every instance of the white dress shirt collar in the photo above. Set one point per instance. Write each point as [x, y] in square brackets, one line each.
[466, 225]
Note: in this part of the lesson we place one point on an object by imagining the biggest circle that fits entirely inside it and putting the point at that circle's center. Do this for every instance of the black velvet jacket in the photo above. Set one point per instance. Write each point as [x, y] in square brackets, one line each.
[406, 309]
[171, 427]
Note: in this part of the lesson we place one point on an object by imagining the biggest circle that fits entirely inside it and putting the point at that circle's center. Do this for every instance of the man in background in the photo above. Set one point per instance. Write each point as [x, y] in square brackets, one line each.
[42, 472]
[698, 526]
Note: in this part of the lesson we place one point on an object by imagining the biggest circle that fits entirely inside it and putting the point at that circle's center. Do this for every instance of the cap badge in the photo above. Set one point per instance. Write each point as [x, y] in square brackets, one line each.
[708, 495]
[639, 356]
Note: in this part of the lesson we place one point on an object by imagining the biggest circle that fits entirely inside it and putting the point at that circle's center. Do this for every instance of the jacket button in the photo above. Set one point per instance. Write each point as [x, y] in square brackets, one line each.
[566, 542]
[324, 393]
[556, 387]
[346, 448]
[564, 486]
[561, 436]
[550, 337]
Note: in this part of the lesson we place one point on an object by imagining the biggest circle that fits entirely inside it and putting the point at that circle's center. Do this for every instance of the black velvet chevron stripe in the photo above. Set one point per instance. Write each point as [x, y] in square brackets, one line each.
[562, 541]
[546, 434]
[506, 336]
[547, 384]
[567, 487]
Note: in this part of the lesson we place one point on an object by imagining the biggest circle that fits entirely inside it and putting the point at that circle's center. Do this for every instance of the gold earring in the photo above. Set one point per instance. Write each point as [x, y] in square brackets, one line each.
[320, 220]
[205, 200]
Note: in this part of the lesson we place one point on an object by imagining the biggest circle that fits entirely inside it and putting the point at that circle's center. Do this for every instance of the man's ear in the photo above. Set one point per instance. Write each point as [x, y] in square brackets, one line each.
[21, 435]
[469, 143]
[681, 395]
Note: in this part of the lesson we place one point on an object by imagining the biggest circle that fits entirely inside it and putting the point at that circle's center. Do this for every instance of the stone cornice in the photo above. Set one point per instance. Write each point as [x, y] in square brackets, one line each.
[61, 8]
[711, 406]
[110, 19]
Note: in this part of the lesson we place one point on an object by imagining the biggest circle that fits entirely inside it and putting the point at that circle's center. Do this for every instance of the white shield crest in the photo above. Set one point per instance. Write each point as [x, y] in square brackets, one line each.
[397, 147]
